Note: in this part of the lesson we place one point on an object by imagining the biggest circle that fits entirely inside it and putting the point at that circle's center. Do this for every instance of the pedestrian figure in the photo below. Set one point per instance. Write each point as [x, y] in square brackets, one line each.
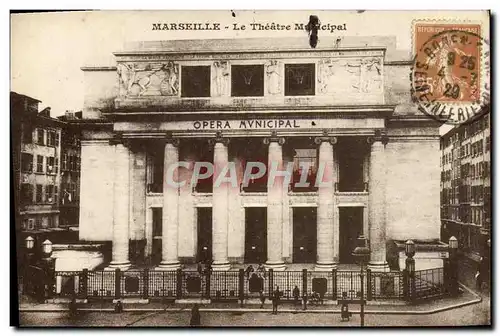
[195, 316]
[208, 267]
[276, 300]
[248, 271]
[200, 268]
[73, 308]
[261, 271]
[296, 294]
[262, 298]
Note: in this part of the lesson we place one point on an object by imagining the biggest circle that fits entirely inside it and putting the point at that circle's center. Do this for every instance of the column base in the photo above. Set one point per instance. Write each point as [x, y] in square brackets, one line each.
[168, 266]
[325, 266]
[122, 266]
[221, 266]
[378, 266]
[275, 265]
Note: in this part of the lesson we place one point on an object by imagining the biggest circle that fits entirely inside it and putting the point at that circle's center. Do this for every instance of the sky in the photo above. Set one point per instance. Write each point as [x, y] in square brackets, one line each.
[48, 49]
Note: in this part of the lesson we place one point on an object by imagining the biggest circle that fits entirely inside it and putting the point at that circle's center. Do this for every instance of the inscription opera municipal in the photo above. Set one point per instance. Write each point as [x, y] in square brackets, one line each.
[245, 124]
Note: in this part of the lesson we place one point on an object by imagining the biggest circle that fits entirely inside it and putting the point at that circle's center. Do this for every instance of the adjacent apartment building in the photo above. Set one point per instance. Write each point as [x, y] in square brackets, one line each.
[466, 185]
[40, 148]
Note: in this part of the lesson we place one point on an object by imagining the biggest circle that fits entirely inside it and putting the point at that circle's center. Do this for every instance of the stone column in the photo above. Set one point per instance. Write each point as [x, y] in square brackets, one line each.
[326, 204]
[220, 205]
[275, 205]
[120, 243]
[377, 208]
[170, 212]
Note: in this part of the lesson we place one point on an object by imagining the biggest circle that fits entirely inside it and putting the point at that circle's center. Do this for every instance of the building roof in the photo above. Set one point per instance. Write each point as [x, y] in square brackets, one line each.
[21, 96]
[266, 45]
[485, 110]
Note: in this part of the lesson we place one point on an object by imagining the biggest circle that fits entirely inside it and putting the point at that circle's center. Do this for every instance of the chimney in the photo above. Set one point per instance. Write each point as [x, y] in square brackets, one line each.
[45, 112]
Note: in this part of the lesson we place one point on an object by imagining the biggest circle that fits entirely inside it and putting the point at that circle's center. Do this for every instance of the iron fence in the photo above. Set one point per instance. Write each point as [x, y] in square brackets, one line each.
[286, 281]
[428, 283]
[162, 284]
[386, 285]
[348, 284]
[224, 285]
[101, 284]
[236, 285]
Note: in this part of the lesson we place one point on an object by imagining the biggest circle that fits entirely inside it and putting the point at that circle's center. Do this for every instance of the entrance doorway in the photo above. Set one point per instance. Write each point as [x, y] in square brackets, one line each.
[255, 235]
[204, 250]
[156, 245]
[304, 235]
[351, 227]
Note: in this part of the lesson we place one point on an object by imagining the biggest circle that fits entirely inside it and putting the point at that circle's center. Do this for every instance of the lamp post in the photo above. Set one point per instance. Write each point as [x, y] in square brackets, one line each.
[453, 247]
[47, 264]
[29, 244]
[362, 254]
[410, 250]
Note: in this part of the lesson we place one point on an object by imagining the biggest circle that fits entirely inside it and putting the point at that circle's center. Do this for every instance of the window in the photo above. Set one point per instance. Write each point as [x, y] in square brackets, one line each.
[157, 221]
[50, 165]
[51, 138]
[39, 164]
[31, 224]
[26, 194]
[255, 152]
[305, 163]
[39, 194]
[56, 165]
[49, 191]
[247, 80]
[77, 159]
[195, 81]
[40, 136]
[26, 163]
[72, 165]
[299, 79]
[39, 223]
[64, 164]
[56, 195]
[27, 134]
[56, 139]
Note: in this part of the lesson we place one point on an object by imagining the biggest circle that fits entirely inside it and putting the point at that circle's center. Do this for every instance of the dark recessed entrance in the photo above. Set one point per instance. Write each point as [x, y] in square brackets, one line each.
[304, 235]
[157, 235]
[204, 250]
[351, 227]
[255, 235]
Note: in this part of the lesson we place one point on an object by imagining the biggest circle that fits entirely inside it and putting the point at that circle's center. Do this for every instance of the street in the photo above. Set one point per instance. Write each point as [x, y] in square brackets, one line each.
[477, 314]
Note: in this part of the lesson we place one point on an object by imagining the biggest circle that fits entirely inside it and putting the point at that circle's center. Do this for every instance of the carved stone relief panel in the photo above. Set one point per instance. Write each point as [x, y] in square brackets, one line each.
[148, 79]
[349, 75]
[274, 77]
[221, 79]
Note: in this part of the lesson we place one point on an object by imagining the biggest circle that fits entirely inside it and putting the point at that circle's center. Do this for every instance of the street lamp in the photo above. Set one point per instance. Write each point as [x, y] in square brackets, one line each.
[362, 255]
[47, 248]
[410, 250]
[453, 247]
[30, 243]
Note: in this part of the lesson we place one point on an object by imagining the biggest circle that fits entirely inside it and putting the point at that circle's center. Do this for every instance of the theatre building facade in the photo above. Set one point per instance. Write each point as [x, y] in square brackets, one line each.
[341, 113]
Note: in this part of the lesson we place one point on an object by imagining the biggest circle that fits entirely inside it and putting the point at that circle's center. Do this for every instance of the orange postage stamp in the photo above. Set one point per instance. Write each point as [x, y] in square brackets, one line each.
[449, 77]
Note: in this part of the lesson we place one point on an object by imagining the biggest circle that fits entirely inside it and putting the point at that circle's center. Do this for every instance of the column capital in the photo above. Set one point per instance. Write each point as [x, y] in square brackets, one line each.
[379, 135]
[325, 138]
[274, 138]
[218, 139]
[169, 139]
